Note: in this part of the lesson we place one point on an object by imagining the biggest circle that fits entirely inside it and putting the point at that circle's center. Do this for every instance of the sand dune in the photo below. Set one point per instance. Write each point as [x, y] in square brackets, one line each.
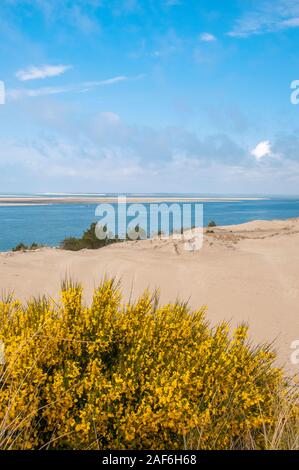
[247, 272]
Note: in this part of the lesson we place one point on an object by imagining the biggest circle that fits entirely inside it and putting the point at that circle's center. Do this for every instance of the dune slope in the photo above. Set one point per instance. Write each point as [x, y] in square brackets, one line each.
[247, 272]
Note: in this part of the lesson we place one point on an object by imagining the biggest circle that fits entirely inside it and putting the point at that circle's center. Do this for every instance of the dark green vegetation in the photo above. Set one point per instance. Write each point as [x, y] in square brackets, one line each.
[90, 240]
[212, 223]
[23, 247]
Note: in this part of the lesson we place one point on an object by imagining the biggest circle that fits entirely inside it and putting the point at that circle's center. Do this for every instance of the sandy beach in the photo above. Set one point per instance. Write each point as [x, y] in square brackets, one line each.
[246, 272]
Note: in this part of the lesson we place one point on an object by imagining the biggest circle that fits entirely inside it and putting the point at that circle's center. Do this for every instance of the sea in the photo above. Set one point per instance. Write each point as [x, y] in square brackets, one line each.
[50, 224]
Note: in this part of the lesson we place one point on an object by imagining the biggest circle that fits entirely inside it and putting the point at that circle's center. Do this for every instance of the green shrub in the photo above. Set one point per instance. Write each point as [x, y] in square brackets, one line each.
[23, 247]
[88, 240]
[212, 224]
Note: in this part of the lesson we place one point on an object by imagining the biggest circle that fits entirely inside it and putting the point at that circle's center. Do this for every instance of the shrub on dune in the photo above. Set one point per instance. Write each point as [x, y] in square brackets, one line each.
[212, 223]
[88, 240]
[23, 247]
[117, 375]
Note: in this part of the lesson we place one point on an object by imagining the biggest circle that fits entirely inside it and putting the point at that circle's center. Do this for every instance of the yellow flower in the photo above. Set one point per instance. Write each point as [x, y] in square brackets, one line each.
[123, 376]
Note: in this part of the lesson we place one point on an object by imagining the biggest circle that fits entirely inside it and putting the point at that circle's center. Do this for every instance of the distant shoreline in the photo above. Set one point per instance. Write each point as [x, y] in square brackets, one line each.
[19, 201]
[20, 204]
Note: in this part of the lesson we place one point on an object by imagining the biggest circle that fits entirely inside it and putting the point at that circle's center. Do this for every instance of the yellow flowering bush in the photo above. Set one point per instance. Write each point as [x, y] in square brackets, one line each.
[117, 375]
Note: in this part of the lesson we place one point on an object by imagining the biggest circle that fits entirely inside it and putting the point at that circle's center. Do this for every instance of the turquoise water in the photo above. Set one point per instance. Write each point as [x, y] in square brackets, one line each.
[52, 223]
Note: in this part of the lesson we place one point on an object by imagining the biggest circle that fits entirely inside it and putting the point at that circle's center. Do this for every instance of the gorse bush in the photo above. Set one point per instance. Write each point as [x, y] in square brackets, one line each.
[117, 375]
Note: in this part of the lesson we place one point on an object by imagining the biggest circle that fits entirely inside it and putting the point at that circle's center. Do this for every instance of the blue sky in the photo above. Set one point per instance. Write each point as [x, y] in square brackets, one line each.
[152, 95]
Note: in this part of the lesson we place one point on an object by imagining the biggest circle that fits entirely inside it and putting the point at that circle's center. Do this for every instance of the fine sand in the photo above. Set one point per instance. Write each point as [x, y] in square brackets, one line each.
[247, 272]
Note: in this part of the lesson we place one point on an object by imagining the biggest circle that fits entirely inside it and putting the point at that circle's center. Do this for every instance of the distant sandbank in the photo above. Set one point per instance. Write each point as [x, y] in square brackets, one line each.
[20, 204]
[30, 200]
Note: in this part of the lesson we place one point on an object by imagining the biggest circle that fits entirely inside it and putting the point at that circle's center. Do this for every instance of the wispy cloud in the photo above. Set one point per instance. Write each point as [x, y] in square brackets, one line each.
[207, 37]
[167, 44]
[267, 17]
[19, 93]
[79, 14]
[109, 81]
[39, 73]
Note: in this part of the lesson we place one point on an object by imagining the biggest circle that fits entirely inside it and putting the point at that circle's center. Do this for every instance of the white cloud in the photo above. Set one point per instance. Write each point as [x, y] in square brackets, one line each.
[207, 37]
[19, 93]
[39, 73]
[79, 14]
[262, 149]
[110, 117]
[290, 23]
[103, 151]
[109, 81]
[267, 17]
